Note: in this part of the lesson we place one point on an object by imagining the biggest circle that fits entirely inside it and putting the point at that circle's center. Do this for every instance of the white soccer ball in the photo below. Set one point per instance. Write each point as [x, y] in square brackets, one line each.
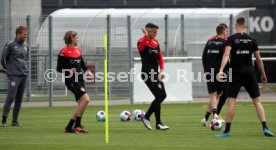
[100, 116]
[135, 111]
[125, 115]
[137, 114]
[215, 124]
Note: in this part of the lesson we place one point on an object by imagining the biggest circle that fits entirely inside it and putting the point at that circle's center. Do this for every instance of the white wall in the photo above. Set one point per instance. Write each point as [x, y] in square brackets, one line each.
[25, 7]
[20, 9]
[177, 83]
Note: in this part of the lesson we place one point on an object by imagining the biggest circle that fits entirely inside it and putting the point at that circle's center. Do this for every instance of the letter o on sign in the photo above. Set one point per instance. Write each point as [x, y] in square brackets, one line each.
[267, 24]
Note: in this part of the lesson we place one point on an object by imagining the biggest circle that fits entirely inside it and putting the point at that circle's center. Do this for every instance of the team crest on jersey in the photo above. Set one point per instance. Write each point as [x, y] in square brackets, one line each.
[25, 48]
[13, 83]
[82, 89]
[159, 85]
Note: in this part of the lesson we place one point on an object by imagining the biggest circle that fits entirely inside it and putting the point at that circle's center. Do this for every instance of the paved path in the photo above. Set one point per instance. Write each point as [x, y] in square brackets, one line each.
[268, 96]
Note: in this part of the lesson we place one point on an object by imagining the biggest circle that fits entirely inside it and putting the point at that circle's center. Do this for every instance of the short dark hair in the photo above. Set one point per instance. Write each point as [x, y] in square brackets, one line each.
[151, 25]
[68, 36]
[240, 21]
[20, 29]
[221, 27]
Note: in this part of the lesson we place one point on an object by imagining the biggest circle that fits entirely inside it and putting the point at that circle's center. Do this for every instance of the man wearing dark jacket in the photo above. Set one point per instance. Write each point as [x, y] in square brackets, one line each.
[14, 60]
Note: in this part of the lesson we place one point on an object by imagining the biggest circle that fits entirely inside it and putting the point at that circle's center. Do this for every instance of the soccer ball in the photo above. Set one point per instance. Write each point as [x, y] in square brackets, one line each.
[100, 116]
[135, 111]
[137, 114]
[125, 116]
[215, 124]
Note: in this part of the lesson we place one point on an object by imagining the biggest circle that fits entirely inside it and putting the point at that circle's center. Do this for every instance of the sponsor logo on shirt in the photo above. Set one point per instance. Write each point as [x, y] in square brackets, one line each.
[213, 51]
[217, 43]
[153, 51]
[242, 52]
[244, 41]
[214, 42]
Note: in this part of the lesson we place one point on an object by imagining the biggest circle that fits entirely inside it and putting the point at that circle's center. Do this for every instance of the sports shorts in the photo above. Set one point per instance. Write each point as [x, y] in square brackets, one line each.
[248, 80]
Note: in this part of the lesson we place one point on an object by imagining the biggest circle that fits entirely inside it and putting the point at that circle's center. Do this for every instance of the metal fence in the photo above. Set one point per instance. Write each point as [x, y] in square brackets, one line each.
[179, 36]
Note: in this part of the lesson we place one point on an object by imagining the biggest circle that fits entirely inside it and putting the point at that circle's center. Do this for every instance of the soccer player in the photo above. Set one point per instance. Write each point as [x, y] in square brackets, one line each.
[152, 59]
[241, 47]
[14, 60]
[71, 63]
[211, 59]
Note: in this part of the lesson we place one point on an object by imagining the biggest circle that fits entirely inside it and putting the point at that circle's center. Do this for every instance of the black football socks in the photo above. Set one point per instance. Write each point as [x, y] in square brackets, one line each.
[70, 124]
[78, 122]
[227, 127]
[207, 115]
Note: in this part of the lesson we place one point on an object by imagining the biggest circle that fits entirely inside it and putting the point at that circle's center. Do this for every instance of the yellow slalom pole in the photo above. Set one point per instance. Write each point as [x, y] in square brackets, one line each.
[106, 89]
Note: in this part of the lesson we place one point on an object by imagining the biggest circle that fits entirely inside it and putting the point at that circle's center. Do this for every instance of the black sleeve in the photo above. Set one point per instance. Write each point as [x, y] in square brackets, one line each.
[61, 63]
[255, 46]
[229, 42]
[83, 64]
[204, 57]
[5, 55]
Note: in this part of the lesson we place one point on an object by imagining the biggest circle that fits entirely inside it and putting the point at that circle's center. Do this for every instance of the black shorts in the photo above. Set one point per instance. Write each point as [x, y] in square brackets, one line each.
[215, 85]
[77, 88]
[247, 80]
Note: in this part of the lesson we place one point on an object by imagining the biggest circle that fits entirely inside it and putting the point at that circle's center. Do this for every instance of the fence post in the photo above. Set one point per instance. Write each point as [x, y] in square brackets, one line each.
[130, 58]
[8, 10]
[166, 35]
[108, 53]
[182, 36]
[231, 24]
[29, 95]
[50, 62]
[222, 3]
[273, 15]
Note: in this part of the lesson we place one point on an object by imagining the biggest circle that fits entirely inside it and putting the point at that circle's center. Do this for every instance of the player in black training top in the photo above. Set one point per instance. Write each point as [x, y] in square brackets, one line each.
[241, 47]
[152, 59]
[211, 59]
[71, 63]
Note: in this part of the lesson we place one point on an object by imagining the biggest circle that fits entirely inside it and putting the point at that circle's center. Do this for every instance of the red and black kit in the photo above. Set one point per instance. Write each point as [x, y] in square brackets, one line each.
[211, 60]
[152, 58]
[71, 57]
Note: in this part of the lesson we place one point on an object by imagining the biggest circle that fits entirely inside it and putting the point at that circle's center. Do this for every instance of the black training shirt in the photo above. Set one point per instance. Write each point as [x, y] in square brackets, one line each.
[212, 54]
[242, 47]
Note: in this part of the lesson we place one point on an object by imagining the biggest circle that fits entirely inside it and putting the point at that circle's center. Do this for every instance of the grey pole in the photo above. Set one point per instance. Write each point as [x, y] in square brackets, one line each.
[50, 62]
[273, 15]
[166, 36]
[182, 36]
[7, 10]
[223, 3]
[108, 53]
[231, 24]
[130, 55]
[28, 19]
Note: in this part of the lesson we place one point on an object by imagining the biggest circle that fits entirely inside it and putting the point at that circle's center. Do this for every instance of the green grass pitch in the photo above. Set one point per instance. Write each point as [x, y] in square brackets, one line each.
[43, 130]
